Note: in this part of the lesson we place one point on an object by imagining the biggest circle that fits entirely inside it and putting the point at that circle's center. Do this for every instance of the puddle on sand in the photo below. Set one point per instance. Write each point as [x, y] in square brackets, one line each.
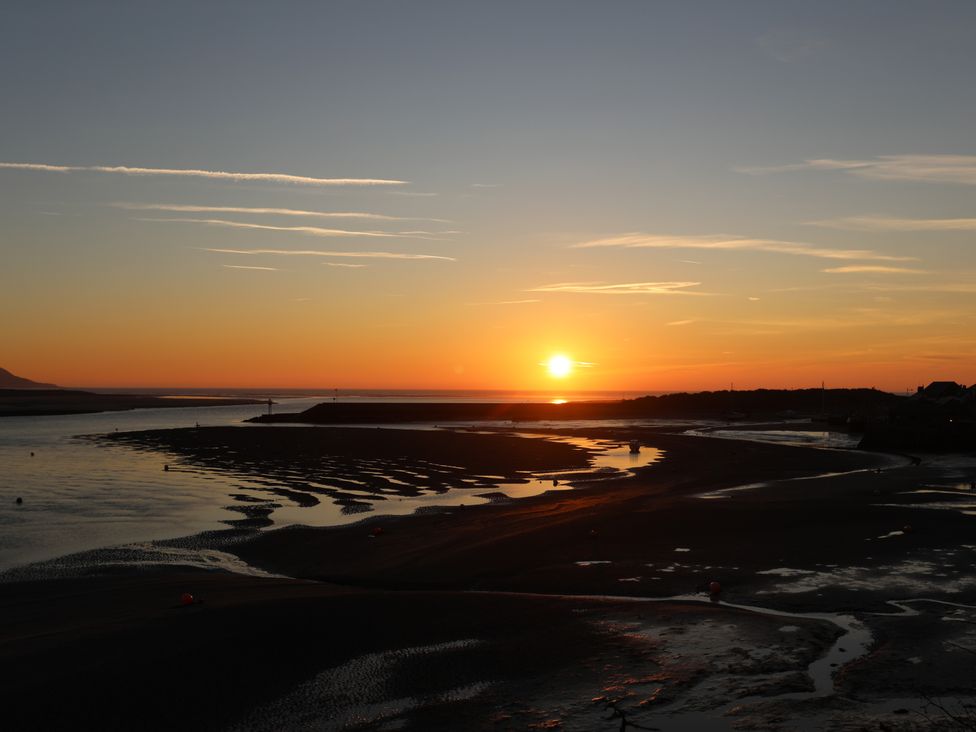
[966, 506]
[796, 438]
[729, 492]
[707, 635]
[889, 535]
[711, 703]
[609, 460]
[908, 577]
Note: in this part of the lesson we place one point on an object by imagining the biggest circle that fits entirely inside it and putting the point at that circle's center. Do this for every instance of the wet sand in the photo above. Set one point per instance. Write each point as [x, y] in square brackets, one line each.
[394, 615]
[277, 654]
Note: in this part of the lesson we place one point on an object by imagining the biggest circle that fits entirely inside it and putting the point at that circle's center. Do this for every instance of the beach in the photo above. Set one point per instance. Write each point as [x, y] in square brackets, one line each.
[531, 611]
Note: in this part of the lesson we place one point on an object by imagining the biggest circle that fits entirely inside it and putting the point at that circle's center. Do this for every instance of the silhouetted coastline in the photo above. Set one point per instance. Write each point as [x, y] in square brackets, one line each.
[940, 417]
[840, 405]
[41, 402]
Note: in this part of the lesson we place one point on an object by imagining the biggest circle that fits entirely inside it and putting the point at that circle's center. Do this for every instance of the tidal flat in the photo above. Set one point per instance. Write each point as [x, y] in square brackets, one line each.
[844, 595]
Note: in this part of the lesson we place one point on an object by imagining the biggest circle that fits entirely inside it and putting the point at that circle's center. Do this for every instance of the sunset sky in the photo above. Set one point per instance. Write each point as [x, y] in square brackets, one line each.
[674, 195]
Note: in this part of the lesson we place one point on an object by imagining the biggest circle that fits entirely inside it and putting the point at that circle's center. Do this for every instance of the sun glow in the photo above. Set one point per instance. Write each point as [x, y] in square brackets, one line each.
[559, 366]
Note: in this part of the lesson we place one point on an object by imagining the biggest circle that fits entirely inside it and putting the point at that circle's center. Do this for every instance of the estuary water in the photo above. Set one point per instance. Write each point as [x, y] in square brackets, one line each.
[78, 493]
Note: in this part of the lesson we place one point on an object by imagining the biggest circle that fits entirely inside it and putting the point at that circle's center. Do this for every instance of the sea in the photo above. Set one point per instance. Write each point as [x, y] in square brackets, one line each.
[79, 493]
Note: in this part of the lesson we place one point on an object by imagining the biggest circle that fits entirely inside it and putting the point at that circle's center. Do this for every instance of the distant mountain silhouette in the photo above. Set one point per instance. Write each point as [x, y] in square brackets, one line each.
[9, 381]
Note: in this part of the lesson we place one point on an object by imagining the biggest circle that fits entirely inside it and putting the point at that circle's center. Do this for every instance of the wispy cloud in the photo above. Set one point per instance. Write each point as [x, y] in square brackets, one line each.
[734, 243]
[680, 322]
[188, 208]
[922, 168]
[210, 174]
[949, 288]
[242, 266]
[432, 235]
[486, 185]
[343, 264]
[848, 319]
[319, 253]
[310, 230]
[872, 269]
[884, 223]
[628, 288]
[888, 288]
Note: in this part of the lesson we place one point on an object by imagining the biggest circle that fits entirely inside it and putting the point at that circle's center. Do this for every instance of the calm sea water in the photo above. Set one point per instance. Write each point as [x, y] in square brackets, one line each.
[80, 494]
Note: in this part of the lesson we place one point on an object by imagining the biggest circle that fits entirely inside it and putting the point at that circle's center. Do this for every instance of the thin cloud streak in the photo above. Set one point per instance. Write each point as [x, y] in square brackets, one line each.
[310, 230]
[210, 174]
[960, 288]
[319, 253]
[733, 243]
[960, 169]
[629, 288]
[422, 234]
[949, 288]
[343, 264]
[851, 319]
[873, 269]
[186, 208]
[244, 266]
[883, 223]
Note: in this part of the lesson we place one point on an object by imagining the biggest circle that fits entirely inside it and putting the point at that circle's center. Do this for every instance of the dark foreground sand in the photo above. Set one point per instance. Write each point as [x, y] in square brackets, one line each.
[436, 624]
[120, 653]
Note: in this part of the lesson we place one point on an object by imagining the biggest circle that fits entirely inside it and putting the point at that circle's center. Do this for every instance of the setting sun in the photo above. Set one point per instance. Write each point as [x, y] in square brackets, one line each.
[559, 366]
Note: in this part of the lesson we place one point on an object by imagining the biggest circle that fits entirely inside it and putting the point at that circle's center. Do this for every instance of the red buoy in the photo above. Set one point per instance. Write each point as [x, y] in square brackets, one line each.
[714, 587]
[377, 531]
[187, 599]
